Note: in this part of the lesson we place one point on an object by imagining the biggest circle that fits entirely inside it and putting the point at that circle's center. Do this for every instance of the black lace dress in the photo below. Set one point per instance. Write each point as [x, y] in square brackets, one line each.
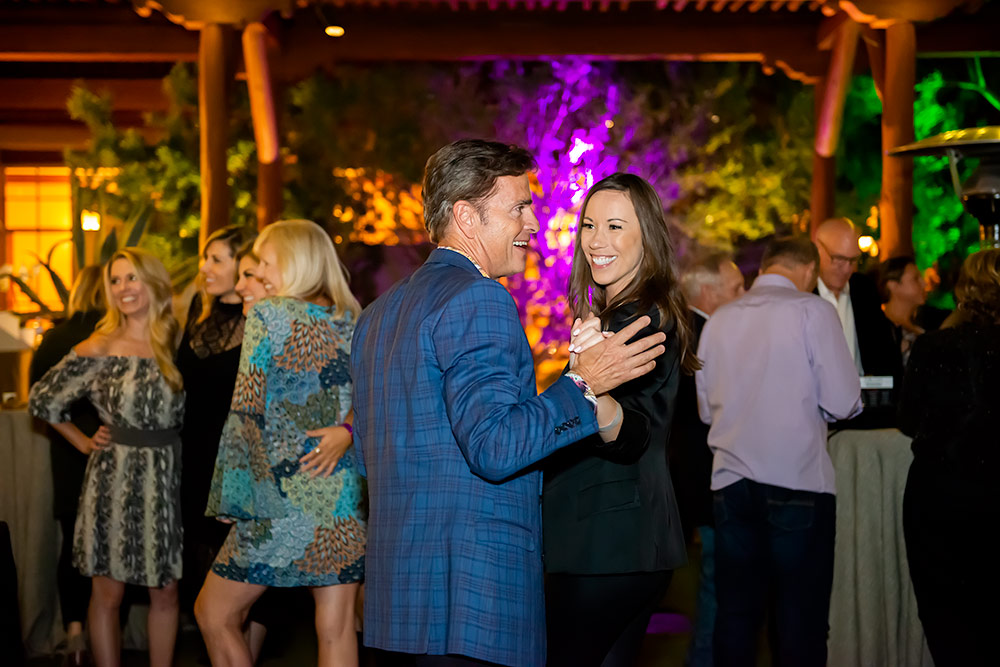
[208, 359]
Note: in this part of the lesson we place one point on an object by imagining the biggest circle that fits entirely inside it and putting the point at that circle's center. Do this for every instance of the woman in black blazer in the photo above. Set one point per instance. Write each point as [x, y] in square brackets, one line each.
[612, 533]
[950, 404]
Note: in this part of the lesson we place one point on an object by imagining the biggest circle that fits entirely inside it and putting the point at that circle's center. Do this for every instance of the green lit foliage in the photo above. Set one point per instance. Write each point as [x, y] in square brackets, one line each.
[124, 172]
[750, 169]
[949, 95]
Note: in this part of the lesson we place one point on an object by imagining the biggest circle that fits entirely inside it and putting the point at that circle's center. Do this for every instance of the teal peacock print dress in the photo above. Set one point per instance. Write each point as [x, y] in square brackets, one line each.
[290, 529]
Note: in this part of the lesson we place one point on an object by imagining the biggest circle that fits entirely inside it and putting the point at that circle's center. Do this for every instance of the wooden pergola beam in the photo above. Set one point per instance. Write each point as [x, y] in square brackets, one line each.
[896, 202]
[836, 83]
[215, 75]
[49, 94]
[631, 35]
[33, 136]
[96, 43]
[270, 201]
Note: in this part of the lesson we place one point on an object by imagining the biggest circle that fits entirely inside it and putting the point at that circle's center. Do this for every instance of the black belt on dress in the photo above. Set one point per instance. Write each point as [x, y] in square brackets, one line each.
[140, 437]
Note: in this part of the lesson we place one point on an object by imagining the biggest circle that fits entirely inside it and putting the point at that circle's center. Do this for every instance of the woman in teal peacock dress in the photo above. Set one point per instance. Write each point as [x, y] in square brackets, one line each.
[291, 527]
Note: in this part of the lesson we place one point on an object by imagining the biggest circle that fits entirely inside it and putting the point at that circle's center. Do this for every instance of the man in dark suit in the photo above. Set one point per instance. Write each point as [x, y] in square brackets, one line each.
[708, 283]
[867, 330]
[448, 426]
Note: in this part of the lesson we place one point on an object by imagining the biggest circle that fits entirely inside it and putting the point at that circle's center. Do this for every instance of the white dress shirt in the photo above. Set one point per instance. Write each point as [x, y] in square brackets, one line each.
[845, 311]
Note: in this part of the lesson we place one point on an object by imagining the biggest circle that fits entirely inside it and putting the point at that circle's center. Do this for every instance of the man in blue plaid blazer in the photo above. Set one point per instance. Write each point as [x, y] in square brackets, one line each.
[448, 424]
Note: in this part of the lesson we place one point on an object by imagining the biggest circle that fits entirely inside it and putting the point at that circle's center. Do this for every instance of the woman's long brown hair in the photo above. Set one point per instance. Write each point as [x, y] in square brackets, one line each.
[655, 283]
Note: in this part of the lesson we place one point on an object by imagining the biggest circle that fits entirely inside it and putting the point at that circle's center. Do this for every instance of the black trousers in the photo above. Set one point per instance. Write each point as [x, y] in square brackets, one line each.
[74, 588]
[773, 546]
[600, 619]
[948, 525]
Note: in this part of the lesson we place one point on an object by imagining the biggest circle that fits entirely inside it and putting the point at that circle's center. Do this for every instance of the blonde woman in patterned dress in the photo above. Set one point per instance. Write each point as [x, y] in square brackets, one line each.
[128, 525]
[291, 527]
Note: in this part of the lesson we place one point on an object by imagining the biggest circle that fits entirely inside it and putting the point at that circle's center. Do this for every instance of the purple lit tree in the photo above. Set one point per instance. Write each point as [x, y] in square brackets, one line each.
[572, 115]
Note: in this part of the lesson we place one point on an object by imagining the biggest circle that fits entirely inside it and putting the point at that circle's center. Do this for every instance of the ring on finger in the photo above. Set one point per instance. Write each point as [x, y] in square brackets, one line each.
[316, 450]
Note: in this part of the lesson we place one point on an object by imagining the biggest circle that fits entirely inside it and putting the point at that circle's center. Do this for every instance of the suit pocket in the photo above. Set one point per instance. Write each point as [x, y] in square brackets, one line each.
[611, 496]
[504, 532]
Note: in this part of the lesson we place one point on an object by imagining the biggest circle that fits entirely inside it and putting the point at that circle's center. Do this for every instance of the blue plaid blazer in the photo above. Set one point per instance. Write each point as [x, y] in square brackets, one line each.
[447, 425]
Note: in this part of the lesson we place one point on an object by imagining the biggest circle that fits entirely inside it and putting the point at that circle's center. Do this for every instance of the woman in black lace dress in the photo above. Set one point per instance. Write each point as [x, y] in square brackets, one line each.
[208, 358]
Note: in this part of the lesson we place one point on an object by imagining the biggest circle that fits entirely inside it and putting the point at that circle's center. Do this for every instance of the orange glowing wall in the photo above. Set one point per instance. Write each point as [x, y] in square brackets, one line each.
[37, 211]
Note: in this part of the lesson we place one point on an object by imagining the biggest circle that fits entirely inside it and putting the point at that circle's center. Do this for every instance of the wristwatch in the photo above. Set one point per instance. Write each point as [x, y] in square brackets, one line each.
[582, 385]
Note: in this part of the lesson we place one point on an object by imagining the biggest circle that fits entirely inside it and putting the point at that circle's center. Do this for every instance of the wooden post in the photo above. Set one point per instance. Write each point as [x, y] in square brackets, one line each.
[896, 202]
[836, 83]
[265, 125]
[821, 202]
[214, 76]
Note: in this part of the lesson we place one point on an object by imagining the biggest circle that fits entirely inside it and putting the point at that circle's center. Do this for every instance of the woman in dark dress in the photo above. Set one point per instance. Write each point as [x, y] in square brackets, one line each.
[612, 533]
[951, 407]
[208, 358]
[84, 311]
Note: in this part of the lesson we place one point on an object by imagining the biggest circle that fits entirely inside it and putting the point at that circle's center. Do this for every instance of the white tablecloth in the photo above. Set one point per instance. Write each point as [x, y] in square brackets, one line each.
[26, 505]
[873, 612]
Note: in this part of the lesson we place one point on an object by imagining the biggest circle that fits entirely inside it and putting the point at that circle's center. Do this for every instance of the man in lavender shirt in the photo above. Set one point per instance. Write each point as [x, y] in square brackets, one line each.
[776, 370]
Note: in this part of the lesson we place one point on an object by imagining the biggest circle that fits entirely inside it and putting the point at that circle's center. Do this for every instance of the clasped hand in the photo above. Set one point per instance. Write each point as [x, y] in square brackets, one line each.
[606, 360]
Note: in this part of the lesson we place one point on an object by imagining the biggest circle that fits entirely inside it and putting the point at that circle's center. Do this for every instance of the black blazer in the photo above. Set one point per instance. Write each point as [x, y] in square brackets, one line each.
[880, 354]
[609, 508]
[689, 455]
[68, 464]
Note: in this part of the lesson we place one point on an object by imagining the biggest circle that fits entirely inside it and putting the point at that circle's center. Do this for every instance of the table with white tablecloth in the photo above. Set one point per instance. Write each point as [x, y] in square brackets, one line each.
[26, 506]
[873, 612]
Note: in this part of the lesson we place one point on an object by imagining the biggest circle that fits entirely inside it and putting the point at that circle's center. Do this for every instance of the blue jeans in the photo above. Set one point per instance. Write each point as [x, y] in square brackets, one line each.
[700, 651]
[773, 546]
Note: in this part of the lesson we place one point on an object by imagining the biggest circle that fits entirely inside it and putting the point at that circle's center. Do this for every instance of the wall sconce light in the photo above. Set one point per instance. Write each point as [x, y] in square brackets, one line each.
[334, 31]
[90, 221]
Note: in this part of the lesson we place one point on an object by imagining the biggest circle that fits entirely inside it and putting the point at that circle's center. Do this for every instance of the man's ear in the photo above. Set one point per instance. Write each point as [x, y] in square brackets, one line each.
[705, 294]
[466, 218]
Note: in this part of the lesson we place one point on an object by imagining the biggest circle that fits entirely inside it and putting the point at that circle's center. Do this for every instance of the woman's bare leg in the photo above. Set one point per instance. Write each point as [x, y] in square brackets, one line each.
[103, 622]
[161, 625]
[221, 609]
[255, 635]
[338, 643]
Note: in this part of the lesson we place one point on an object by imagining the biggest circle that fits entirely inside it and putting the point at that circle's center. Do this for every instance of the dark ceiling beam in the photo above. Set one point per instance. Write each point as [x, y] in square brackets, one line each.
[642, 33]
[40, 36]
[44, 94]
[30, 135]
[106, 34]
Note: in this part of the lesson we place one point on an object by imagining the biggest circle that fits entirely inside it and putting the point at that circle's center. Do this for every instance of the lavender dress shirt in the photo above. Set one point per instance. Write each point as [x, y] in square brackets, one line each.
[776, 369]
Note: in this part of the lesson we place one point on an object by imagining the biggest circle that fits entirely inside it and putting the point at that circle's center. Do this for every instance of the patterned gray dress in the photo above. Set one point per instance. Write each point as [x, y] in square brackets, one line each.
[128, 525]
